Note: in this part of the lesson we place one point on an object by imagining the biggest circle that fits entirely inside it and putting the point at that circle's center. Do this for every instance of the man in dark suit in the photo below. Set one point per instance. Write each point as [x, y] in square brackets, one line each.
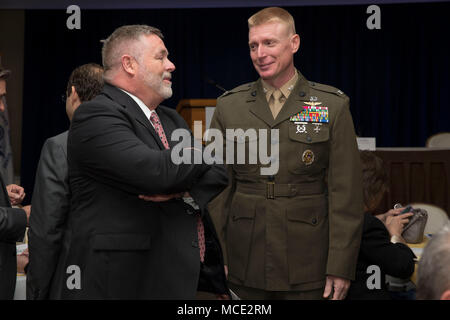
[13, 221]
[51, 196]
[122, 247]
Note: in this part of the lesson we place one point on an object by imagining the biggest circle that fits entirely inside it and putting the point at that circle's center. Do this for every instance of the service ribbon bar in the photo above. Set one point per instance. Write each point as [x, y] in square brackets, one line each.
[311, 114]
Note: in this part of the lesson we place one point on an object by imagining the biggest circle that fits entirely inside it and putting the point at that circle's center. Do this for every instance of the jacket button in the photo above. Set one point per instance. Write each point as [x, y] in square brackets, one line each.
[189, 211]
[308, 138]
[302, 94]
[254, 93]
[314, 221]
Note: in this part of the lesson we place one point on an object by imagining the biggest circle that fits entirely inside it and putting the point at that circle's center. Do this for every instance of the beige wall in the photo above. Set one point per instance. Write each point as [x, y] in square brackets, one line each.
[12, 33]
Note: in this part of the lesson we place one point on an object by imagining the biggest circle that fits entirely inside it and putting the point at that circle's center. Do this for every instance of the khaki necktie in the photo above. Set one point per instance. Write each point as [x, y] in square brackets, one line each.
[275, 103]
[200, 227]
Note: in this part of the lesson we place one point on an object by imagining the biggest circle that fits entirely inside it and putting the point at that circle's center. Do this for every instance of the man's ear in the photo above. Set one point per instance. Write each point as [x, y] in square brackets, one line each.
[74, 98]
[295, 43]
[129, 64]
[72, 91]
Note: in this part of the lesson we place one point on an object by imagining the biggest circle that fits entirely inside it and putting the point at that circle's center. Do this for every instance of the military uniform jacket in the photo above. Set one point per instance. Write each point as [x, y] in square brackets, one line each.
[287, 231]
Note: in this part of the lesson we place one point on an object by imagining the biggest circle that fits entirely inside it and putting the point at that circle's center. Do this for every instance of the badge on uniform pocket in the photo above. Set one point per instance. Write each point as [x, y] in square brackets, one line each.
[308, 157]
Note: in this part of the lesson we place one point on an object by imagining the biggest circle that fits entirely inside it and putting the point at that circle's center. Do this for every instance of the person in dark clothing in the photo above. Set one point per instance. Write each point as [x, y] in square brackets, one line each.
[13, 221]
[383, 250]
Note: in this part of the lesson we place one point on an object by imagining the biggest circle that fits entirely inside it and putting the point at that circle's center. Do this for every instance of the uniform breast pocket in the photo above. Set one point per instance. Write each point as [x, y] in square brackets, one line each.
[308, 149]
[241, 150]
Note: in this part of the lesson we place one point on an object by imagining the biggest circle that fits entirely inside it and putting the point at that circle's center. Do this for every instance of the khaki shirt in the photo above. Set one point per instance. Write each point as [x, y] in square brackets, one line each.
[275, 104]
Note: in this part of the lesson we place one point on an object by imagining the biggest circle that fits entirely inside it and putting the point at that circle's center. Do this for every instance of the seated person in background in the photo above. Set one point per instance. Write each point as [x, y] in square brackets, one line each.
[382, 245]
[434, 268]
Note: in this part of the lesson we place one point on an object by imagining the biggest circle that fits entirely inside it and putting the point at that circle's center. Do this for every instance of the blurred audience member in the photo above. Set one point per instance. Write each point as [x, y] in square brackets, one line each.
[51, 196]
[13, 221]
[6, 158]
[434, 268]
[382, 249]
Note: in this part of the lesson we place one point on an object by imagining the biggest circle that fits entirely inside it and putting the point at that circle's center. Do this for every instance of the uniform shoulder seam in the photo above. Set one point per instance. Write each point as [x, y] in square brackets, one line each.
[241, 88]
[327, 88]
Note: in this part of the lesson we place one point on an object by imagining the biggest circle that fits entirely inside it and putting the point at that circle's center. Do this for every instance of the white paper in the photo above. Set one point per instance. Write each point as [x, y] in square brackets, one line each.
[366, 143]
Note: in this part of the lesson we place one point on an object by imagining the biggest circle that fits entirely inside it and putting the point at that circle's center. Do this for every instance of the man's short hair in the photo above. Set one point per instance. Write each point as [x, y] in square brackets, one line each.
[122, 41]
[4, 73]
[272, 14]
[433, 276]
[374, 178]
[87, 80]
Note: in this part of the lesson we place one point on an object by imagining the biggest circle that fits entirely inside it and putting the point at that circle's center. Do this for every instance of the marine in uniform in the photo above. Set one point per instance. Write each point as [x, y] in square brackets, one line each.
[287, 235]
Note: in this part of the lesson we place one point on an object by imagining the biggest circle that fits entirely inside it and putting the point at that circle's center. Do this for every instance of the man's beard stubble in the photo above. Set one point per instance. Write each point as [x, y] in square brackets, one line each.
[156, 83]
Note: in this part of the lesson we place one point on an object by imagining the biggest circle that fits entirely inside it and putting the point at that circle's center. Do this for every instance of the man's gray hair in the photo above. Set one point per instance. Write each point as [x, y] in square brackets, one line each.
[434, 266]
[123, 41]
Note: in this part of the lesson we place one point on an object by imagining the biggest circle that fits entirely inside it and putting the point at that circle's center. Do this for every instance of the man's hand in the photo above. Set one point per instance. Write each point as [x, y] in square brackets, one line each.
[22, 261]
[223, 296]
[27, 210]
[16, 194]
[160, 197]
[340, 286]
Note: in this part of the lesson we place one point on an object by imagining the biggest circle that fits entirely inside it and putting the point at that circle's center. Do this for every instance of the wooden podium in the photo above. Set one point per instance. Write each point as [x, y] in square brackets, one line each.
[194, 110]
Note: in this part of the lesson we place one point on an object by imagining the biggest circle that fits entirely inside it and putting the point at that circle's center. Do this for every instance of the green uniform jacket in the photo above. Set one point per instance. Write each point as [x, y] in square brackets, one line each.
[287, 231]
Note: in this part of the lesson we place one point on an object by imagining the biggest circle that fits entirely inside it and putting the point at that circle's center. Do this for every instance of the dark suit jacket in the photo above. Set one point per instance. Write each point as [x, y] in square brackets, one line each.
[12, 228]
[124, 247]
[376, 249]
[50, 207]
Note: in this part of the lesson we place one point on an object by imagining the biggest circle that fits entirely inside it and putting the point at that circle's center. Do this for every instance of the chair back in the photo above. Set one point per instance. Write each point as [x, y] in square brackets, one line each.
[439, 140]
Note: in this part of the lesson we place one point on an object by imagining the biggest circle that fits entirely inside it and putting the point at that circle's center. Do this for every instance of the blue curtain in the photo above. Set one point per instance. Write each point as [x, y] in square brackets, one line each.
[398, 78]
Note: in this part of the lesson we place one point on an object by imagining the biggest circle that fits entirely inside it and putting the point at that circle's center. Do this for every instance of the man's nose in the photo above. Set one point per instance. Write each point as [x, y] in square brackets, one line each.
[170, 66]
[261, 52]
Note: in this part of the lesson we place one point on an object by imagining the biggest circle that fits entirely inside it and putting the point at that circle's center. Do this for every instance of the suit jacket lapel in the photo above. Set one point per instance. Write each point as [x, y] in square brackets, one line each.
[126, 101]
[293, 104]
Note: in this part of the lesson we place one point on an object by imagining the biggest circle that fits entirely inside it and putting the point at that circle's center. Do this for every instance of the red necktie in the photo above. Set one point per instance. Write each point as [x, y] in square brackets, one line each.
[200, 228]
[159, 129]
